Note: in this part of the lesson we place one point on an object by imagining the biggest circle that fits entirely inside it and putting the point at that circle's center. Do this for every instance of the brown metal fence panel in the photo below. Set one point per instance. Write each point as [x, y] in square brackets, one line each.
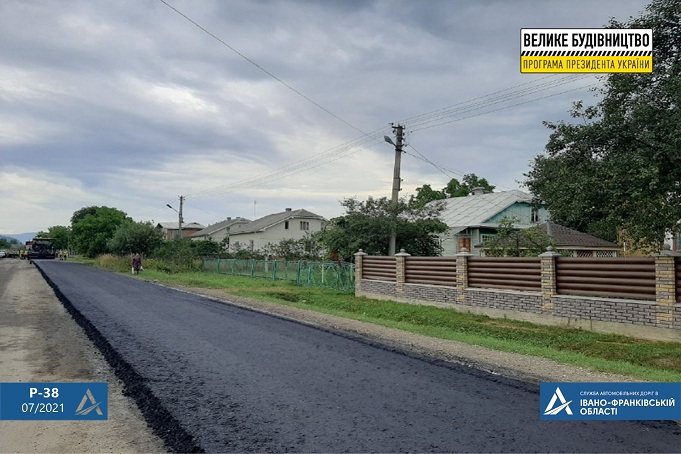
[678, 280]
[516, 273]
[378, 268]
[430, 270]
[622, 277]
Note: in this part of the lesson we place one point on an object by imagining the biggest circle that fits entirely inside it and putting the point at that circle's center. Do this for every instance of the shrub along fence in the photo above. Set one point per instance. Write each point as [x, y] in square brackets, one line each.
[315, 274]
[637, 296]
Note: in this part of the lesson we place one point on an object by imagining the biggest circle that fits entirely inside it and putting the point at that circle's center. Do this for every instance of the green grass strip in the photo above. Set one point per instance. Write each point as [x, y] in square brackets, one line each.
[613, 353]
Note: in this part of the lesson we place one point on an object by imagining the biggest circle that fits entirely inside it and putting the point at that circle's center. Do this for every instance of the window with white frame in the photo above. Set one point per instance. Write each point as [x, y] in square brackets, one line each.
[304, 225]
[535, 216]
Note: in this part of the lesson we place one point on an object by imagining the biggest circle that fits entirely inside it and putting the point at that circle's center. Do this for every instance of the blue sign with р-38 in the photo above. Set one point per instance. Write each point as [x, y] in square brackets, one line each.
[54, 401]
[610, 401]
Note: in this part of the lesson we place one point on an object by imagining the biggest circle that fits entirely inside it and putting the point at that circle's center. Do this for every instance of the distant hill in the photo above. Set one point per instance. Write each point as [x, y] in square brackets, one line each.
[20, 237]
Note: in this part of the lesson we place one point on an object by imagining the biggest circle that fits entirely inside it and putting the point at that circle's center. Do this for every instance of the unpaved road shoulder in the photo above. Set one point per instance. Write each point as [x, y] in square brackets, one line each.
[40, 342]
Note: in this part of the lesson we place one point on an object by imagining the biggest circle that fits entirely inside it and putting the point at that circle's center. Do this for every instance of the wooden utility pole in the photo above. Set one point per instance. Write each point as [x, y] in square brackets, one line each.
[180, 220]
[399, 136]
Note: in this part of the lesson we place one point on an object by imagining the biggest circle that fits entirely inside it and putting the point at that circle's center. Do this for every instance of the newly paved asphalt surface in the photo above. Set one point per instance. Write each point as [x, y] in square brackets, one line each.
[220, 378]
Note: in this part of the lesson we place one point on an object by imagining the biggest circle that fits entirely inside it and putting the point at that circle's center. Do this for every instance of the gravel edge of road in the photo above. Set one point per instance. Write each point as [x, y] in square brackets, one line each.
[161, 421]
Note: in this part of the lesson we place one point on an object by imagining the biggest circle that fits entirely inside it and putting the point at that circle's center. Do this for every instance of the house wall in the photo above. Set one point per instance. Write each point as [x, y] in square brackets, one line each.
[276, 233]
[221, 234]
[521, 211]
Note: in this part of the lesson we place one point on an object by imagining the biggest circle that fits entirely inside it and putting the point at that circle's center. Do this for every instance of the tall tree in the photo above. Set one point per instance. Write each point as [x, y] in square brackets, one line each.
[454, 188]
[93, 227]
[61, 236]
[135, 237]
[368, 224]
[619, 168]
[469, 182]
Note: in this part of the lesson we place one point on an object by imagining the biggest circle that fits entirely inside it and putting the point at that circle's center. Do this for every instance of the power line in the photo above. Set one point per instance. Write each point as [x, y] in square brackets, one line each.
[373, 138]
[424, 120]
[311, 162]
[433, 125]
[261, 68]
[468, 106]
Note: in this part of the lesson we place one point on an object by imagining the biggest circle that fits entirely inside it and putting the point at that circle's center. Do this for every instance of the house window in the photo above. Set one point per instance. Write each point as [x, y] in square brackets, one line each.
[487, 237]
[535, 216]
[304, 225]
[285, 225]
[251, 244]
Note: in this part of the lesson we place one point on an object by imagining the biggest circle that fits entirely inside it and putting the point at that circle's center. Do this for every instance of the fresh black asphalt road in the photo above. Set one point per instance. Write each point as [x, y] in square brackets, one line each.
[220, 378]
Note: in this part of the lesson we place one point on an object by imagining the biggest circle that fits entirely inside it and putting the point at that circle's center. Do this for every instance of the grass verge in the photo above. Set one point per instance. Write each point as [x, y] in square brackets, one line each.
[641, 359]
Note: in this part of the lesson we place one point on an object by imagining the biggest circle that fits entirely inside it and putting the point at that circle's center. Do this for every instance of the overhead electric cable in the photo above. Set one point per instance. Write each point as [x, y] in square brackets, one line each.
[370, 139]
[261, 68]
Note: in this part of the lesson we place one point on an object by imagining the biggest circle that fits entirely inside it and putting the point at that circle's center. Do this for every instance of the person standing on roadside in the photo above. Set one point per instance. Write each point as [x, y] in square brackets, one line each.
[136, 264]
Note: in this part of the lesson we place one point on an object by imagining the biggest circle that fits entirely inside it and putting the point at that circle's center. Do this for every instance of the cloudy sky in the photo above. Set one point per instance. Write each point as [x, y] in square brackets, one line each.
[247, 107]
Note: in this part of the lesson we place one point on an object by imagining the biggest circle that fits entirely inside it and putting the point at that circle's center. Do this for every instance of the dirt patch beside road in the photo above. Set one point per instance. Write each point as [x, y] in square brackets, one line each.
[40, 342]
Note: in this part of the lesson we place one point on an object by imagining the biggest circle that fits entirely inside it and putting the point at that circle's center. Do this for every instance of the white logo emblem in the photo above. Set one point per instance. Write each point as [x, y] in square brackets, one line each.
[82, 410]
[551, 410]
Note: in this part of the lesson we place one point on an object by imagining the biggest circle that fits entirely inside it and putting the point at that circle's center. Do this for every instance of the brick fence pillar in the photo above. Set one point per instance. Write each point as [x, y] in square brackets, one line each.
[548, 278]
[462, 274]
[665, 287]
[400, 267]
[359, 259]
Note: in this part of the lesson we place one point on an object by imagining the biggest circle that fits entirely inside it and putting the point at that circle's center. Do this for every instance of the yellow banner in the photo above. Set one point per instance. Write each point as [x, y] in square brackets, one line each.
[586, 64]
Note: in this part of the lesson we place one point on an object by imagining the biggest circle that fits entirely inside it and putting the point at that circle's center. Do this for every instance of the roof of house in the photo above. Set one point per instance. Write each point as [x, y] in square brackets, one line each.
[474, 210]
[211, 229]
[566, 238]
[174, 225]
[268, 221]
[563, 236]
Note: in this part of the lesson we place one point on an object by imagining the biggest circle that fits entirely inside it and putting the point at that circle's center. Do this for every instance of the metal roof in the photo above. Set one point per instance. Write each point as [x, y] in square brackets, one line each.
[213, 228]
[268, 221]
[563, 236]
[476, 210]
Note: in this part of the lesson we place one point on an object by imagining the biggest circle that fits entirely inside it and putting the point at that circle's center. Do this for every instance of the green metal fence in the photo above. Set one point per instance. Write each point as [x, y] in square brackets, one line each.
[316, 274]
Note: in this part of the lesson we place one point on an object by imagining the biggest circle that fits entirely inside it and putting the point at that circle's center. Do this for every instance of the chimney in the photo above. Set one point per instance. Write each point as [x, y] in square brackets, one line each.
[478, 190]
[288, 209]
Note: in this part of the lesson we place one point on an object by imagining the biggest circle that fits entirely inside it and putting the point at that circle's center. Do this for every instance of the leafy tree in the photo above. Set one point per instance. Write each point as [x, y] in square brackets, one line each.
[619, 168]
[426, 194]
[469, 182]
[135, 237]
[367, 225]
[93, 227]
[7, 242]
[512, 242]
[241, 252]
[205, 248]
[454, 188]
[61, 236]
[306, 248]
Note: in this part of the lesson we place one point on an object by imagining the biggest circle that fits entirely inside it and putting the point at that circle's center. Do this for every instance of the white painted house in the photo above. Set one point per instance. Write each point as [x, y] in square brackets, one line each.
[220, 230]
[273, 228]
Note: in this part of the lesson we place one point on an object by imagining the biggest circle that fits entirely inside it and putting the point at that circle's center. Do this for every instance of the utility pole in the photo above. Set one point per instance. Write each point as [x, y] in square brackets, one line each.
[399, 136]
[179, 224]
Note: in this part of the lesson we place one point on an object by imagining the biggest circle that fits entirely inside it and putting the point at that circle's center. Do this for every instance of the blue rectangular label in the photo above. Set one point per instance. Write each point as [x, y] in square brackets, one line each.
[54, 401]
[610, 401]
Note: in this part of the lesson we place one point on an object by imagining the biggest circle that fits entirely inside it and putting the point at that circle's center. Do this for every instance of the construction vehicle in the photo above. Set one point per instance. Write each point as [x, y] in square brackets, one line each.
[40, 248]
